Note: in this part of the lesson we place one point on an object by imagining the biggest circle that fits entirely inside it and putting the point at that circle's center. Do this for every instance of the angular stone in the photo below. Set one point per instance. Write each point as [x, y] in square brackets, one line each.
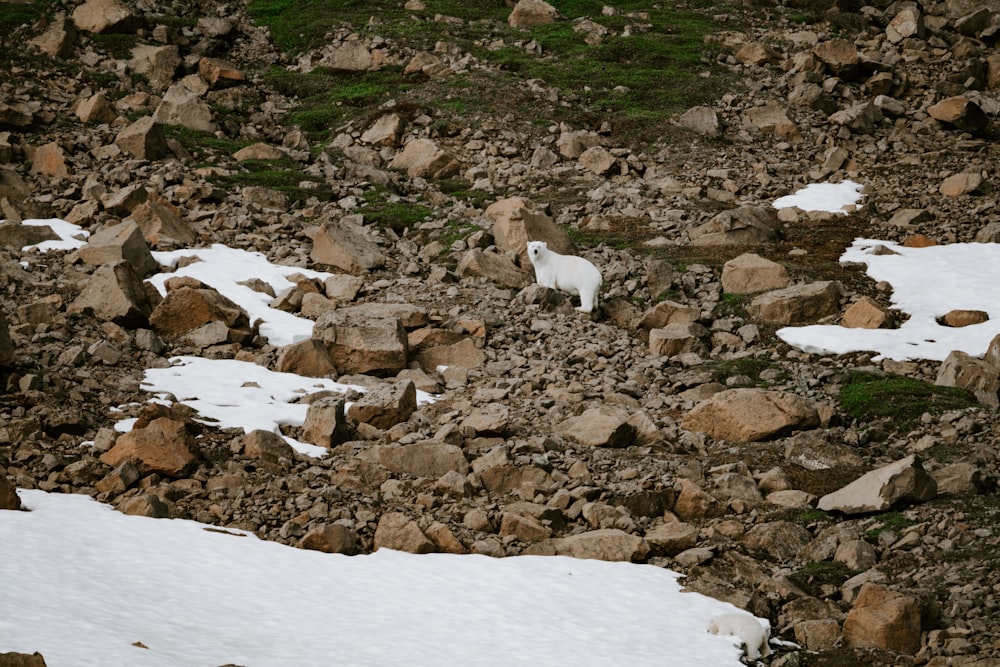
[517, 220]
[528, 13]
[143, 139]
[964, 318]
[104, 16]
[359, 342]
[331, 538]
[489, 420]
[50, 160]
[909, 22]
[865, 313]
[597, 160]
[694, 504]
[523, 528]
[96, 109]
[840, 57]
[386, 131]
[817, 635]
[751, 273]
[325, 424]
[961, 113]
[746, 225]
[305, 357]
[121, 242]
[115, 293]
[862, 118]
[157, 63]
[747, 415]
[180, 106]
[13, 659]
[961, 369]
[187, 308]
[496, 267]
[6, 344]
[669, 312]
[772, 118]
[464, 354]
[965, 183]
[9, 500]
[703, 120]
[902, 481]
[163, 447]
[799, 304]
[422, 459]
[780, 539]
[882, 618]
[259, 151]
[220, 73]
[268, 446]
[678, 338]
[607, 544]
[572, 144]
[161, 223]
[602, 426]
[960, 479]
[671, 538]
[397, 531]
[147, 504]
[385, 405]
[422, 158]
[59, 39]
[347, 246]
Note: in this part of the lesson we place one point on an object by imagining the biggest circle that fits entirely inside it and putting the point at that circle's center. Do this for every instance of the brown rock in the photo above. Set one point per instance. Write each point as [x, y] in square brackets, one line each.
[397, 531]
[746, 415]
[597, 160]
[704, 120]
[386, 131]
[669, 312]
[781, 539]
[115, 293]
[59, 39]
[6, 344]
[883, 619]
[678, 338]
[325, 424]
[331, 538]
[517, 220]
[267, 446]
[385, 405]
[818, 634]
[9, 500]
[909, 22]
[161, 223]
[188, 308]
[359, 342]
[602, 426]
[751, 273]
[49, 160]
[524, 528]
[529, 13]
[671, 538]
[96, 109]
[496, 267]
[118, 243]
[143, 139]
[157, 63]
[306, 357]
[746, 225]
[961, 184]
[422, 158]
[840, 57]
[960, 369]
[607, 544]
[180, 106]
[772, 118]
[490, 420]
[13, 659]
[865, 313]
[799, 304]
[347, 246]
[693, 503]
[220, 73]
[964, 318]
[961, 113]
[422, 459]
[104, 16]
[164, 447]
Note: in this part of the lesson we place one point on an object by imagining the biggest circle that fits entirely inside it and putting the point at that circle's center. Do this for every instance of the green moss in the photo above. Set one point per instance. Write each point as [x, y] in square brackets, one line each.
[381, 211]
[814, 576]
[869, 396]
[751, 367]
[15, 15]
[890, 521]
[118, 45]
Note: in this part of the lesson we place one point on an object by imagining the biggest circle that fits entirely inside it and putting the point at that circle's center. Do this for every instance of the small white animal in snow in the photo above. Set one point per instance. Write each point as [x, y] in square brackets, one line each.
[568, 273]
[747, 629]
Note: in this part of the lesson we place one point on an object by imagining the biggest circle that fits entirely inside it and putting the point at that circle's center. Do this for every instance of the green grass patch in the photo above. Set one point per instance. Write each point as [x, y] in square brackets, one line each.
[890, 521]
[752, 367]
[381, 210]
[732, 305]
[203, 144]
[814, 576]
[15, 15]
[868, 396]
[282, 176]
[118, 45]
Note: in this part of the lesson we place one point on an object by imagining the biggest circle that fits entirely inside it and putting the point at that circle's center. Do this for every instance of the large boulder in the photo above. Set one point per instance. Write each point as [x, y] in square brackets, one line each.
[115, 293]
[425, 159]
[164, 447]
[187, 308]
[746, 415]
[799, 304]
[750, 273]
[746, 225]
[361, 342]
[385, 405]
[528, 13]
[181, 106]
[346, 245]
[877, 491]
[517, 220]
[882, 618]
[105, 16]
[121, 242]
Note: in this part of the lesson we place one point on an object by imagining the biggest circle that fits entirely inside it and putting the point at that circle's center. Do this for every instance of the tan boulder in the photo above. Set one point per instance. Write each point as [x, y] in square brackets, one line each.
[865, 313]
[909, 22]
[359, 342]
[464, 353]
[180, 106]
[817, 634]
[161, 223]
[961, 113]
[747, 415]
[799, 304]
[964, 318]
[524, 528]
[15, 115]
[780, 539]
[746, 225]
[104, 16]
[397, 531]
[346, 245]
[305, 357]
[601, 426]
[15, 236]
[528, 13]
[187, 308]
[572, 143]
[143, 139]
[385, 405]
[117, 243]
[220, 73]
[115, 293]
[902, 481]
[386, 131]
[496, 267]
[607, 544]
[669, 312]
[267, 446]
[982, 378]
[693, 503]
[756, 53]
[751, 273]
[59, 39]
[840, 57]
[671, 538]
[772, 118]
[259, 151]
[882, 618]
[164, 446]
[331, 538]
[157, 63]
[428, 458]
[492, 419]
[678, 338]
[50, 160]
[325, 424]
[704, 120]
[96, 109]
[597, 160]
[425, 159]
[517, 220]
[965, 183]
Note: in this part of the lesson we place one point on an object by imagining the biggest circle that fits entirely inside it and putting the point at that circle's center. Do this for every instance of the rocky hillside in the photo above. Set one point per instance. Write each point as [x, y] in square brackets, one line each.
[411, 152]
